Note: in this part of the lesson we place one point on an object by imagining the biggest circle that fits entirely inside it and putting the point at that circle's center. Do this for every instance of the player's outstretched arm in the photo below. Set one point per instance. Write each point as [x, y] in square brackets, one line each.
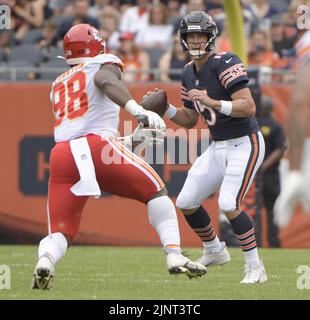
[109, 80]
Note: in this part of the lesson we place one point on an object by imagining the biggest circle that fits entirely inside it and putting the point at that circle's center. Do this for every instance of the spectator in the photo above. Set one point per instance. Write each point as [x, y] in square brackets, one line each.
[223, 42]
[173, 9]
[282, 44]
[264, 11]
[26, 15]
[137, 62]
[124, 5]
[275, 143]
[95, 10]
[59, 6]
[157, 33]
[260, 50]
[135, 18]
[109, 21]
[215, 8]
[48, 41]
[192, 5]
[6, 41]
[175, 58]
[250, 21]
[302, 45]
[80, 15]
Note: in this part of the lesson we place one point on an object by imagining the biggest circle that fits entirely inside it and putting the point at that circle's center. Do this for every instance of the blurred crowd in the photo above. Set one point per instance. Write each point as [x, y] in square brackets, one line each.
[143, 33]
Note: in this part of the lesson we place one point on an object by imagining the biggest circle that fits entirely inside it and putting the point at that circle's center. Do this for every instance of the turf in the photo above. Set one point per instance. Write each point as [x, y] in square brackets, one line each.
[140, 273]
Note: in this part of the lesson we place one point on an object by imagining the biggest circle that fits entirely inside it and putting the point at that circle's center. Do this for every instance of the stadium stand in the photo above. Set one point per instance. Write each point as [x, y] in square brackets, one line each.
[32, 36]
[27, 53]
[46, 21]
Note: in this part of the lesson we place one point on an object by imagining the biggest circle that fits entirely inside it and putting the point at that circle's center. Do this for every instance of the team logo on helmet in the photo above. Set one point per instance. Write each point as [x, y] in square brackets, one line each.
[96, 34]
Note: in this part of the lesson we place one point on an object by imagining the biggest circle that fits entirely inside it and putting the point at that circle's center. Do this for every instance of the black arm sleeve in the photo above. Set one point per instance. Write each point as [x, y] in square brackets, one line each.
[236, 87]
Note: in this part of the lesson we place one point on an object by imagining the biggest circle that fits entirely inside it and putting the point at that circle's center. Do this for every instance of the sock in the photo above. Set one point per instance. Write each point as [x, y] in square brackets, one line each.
[54, 246]
[163, 218]
[244, 231]
[200, 222]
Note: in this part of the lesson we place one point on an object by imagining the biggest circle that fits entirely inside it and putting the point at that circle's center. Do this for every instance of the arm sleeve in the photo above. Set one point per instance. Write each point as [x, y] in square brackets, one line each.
[231, 71]
[236, 87]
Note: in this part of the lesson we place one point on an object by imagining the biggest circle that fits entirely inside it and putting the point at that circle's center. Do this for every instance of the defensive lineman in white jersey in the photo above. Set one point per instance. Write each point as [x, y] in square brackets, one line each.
[86, 102]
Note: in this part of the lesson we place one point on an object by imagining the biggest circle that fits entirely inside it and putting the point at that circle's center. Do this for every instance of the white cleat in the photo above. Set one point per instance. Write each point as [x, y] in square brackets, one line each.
[178, 264]
[211, 258]
[43, 274]
[254, 274]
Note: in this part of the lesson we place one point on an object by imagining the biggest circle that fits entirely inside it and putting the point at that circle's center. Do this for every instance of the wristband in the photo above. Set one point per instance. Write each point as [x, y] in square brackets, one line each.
[226, 107]
[132, 107]
[171, 112]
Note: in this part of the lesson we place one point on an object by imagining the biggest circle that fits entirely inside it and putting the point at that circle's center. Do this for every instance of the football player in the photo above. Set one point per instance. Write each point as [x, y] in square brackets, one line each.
[86, 102]
[214, 87]
[296, 183]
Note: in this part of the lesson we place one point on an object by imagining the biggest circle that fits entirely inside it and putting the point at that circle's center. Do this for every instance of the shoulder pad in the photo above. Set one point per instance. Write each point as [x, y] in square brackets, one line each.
[106, 59]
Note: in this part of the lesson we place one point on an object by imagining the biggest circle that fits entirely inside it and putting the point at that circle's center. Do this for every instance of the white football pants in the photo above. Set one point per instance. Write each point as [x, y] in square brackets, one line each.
[229, 166]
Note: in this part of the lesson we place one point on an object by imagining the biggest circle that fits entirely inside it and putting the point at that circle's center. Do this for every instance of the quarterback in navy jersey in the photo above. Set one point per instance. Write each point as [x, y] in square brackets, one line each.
[221, 76]
[214, 87]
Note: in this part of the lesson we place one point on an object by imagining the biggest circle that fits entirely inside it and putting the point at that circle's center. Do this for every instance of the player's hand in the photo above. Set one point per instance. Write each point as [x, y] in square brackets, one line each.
[202, 97]
[150, 118]
[147, 136]
[290, 194]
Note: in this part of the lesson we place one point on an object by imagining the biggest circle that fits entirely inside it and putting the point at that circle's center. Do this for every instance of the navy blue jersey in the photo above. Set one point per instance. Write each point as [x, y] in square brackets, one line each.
[222, 75]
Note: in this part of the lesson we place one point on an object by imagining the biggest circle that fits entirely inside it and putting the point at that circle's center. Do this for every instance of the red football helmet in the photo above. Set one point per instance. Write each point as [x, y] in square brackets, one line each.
[81, 42]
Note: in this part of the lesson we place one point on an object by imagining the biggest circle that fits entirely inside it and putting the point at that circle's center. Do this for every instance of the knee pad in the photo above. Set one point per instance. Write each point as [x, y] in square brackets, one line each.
[227, 202]
[185, 201]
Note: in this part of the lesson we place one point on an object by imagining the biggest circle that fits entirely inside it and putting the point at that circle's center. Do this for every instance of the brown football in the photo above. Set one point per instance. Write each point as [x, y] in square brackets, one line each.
[156, 101]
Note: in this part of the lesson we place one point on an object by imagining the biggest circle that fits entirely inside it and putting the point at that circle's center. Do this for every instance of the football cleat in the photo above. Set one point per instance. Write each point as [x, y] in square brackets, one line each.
[211, 258]
[178, 264]
[254, 274]
[43, 274]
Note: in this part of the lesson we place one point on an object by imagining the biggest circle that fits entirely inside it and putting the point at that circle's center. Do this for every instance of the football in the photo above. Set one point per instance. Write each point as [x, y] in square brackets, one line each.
[156, 101]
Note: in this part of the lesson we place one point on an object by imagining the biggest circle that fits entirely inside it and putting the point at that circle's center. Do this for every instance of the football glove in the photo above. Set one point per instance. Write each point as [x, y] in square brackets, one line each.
[145, 136]
[150, 118]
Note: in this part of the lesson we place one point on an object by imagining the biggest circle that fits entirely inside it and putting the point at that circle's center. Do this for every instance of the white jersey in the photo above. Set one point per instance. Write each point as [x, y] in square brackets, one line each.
[79, 106]
[302, 47]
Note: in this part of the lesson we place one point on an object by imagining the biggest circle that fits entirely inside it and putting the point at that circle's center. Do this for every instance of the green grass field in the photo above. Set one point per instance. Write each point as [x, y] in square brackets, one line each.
[140, 273]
